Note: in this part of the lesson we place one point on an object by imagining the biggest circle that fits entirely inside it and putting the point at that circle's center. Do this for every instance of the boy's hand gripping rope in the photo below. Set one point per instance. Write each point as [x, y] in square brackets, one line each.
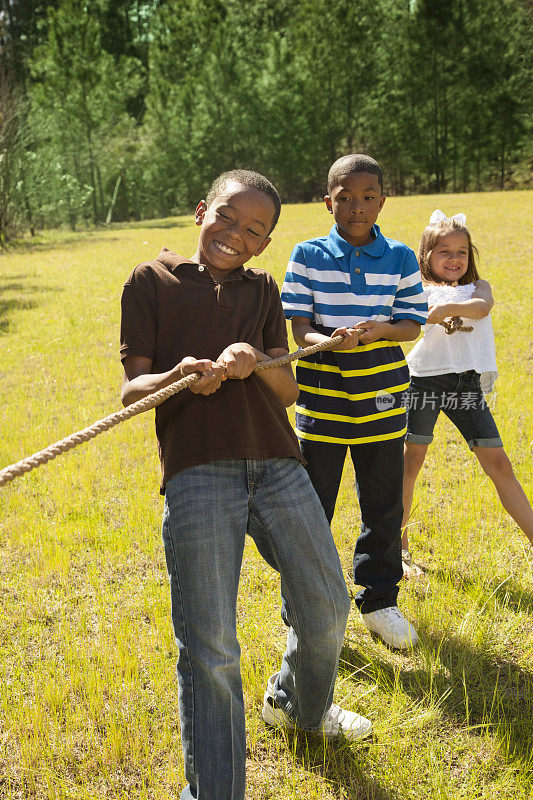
[147, 403]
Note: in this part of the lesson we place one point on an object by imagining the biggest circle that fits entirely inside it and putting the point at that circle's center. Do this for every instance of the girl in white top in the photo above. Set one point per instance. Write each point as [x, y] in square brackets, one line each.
[450, 373]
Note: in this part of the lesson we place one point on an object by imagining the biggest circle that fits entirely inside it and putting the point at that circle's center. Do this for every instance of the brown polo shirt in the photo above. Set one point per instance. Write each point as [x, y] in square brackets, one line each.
[172, 308]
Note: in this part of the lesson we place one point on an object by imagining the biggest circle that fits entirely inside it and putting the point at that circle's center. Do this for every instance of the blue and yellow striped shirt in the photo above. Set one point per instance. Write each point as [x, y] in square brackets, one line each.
[352, 396]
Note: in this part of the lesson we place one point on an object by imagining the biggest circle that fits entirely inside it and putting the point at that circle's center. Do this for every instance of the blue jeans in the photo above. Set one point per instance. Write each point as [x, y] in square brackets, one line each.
[377, 561]
[459, 396]
[208, 511]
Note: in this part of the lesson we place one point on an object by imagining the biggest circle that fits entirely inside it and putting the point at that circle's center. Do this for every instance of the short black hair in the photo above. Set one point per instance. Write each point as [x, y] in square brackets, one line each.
[355, 162]
[247, 178]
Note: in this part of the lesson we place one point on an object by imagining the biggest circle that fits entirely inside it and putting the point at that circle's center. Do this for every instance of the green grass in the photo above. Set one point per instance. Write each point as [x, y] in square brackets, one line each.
[88, 696]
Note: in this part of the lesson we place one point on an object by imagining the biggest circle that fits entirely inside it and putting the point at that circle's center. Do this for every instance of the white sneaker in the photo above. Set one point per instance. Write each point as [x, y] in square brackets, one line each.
[336, 722]
[391, 625]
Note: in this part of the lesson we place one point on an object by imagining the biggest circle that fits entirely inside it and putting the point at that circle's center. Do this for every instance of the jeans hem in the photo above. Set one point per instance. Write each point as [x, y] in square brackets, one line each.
[484, 443]
[418, 438]
[367, 606]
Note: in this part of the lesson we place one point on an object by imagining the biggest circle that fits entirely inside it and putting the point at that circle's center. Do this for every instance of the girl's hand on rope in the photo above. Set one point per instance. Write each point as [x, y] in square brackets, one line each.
[212, 374]
[239, 359]
[438, 313]
[351, 338]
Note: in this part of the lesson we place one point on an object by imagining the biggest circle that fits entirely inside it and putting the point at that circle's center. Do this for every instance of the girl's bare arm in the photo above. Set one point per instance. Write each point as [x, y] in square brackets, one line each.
[479, 305]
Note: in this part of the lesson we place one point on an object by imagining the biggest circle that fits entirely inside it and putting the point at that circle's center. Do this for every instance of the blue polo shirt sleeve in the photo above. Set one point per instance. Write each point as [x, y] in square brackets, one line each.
[410, 301]
[297, 292]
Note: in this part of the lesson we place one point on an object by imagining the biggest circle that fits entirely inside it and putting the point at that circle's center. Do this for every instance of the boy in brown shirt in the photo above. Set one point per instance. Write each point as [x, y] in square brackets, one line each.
[231, 465]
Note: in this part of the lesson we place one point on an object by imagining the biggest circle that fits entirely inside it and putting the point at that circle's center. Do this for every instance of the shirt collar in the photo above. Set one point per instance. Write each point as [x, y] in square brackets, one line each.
[340, 247]
[173, 261]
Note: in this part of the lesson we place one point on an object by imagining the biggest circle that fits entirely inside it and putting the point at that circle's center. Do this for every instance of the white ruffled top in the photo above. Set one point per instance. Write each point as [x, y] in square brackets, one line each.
[438, 352]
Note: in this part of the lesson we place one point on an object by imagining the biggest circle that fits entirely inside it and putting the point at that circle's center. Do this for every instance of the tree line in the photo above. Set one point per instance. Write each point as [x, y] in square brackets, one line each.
[120, 109]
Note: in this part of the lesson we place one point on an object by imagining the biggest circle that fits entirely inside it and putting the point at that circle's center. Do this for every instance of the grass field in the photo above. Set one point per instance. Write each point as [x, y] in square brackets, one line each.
[88, 695]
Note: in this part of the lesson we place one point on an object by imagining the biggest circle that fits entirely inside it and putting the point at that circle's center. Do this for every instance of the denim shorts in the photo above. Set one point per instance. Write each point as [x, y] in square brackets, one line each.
[459, 396]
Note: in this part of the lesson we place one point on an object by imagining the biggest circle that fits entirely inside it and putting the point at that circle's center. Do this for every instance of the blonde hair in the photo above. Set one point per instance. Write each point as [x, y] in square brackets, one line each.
[428, 242]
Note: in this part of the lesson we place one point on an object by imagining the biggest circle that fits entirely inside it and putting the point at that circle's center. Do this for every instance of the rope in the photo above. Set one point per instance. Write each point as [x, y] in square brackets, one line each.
[455, 324]
[150, 401]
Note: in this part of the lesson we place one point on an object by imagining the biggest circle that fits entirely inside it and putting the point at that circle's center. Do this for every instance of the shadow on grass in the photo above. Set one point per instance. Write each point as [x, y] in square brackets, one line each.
[476, 688]
[344, 766]
[23, 286]
[70, 242]
[7, 307]
[158, 224]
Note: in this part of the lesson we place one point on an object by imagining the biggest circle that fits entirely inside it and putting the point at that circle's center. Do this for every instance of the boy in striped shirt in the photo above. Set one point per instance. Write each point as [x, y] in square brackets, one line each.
[357, 283]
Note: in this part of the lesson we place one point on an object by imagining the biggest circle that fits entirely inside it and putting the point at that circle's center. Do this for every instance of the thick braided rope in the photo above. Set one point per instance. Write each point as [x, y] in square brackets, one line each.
[150, 401]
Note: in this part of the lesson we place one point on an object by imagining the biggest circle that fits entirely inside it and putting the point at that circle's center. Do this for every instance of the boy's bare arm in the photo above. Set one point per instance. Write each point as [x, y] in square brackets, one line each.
[305, 335]
[405, 330]
[280, 379]
[241, 358]
[140, 381]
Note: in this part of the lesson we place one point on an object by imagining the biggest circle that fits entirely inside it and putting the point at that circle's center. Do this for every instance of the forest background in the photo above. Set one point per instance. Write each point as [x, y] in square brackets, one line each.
[123, 109]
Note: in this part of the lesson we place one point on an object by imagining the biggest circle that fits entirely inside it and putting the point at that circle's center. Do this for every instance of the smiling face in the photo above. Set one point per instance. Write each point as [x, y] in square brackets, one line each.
[234, 228]
[449, 258]
[355, 203]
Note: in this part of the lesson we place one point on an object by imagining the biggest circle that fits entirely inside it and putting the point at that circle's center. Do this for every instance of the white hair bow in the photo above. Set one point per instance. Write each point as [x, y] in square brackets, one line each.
[440, 216]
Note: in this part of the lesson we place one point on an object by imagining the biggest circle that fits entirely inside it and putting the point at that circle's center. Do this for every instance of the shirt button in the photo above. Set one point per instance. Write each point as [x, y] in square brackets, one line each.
[357, 253]
[357, 270]
[200, 268]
